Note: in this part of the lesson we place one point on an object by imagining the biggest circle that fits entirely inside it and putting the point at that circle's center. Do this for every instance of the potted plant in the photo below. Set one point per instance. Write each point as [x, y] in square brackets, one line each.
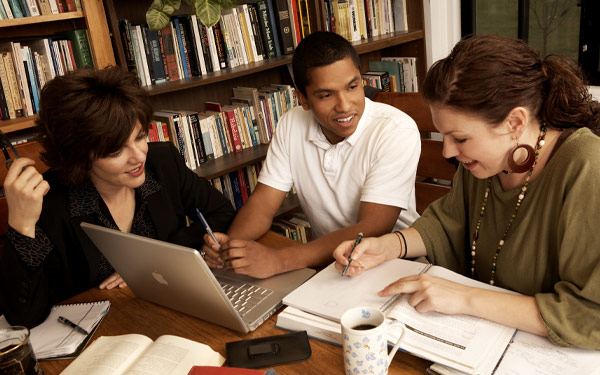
[208, 12]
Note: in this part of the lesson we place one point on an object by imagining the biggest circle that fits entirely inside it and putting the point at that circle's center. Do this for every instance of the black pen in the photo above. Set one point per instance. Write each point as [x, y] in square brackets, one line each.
[69, 323]
[358, 239]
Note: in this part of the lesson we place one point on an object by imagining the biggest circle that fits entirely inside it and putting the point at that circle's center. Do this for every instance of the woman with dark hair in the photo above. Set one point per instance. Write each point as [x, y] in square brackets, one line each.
[93, 126]
[522, 210]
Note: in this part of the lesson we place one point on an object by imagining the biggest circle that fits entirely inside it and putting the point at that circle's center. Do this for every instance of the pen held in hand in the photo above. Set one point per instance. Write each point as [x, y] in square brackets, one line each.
[69, 323]
[358, 239]
[207, 227]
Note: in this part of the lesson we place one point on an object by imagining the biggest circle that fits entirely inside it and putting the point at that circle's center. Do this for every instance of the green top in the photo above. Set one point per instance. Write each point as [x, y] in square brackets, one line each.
[552, 251]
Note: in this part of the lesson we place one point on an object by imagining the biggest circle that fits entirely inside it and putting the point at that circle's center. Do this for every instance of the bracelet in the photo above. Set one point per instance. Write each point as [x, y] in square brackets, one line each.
[403, 256]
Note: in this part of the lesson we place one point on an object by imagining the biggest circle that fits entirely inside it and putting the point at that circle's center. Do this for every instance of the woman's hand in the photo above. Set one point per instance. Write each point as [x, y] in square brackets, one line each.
[430, 293]
[212, 250]
[113, 281]
[25, 189]
[369, 253]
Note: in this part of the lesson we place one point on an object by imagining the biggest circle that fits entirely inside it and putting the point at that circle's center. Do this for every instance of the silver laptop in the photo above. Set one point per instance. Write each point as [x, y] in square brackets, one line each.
[178, 277]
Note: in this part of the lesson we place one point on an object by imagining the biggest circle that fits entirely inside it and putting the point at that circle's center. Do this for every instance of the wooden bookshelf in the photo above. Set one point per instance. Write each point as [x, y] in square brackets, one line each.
[92, 18]
[191, 93]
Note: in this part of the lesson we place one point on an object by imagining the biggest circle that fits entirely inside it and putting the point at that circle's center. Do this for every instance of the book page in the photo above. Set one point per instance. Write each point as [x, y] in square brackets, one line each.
[328, 294]
[464, 342]
[109, 355]
[172, 355]
[531, 354]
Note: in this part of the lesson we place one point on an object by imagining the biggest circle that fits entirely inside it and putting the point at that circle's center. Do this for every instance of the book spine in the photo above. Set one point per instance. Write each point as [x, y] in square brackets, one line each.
[266, 28]
[197, 41]
[196, 134]
[169, 50]
[243, 185]
[15, 7]
[227, 42]
[220, 46]
[273, 17]
[7, 9]
[125, 31]
[190, 44]
[71, 7]
[233, 131]
[33, 8]
[147, 54]
[284, 27]
[206, 140]
[221, 133]
[155, 55]
[258, 40]
[205, 47]
[83, 55]
[214, 56]
[181, 45]
[237, 192]
[7, 94]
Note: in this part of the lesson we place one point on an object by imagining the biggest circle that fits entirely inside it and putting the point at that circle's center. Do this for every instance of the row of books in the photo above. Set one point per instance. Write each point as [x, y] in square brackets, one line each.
[186, 48]
[250, 120]
[392, 74]
[294, 225]
[27, 65]
[360, 19]
[238, 185]
[10, 9]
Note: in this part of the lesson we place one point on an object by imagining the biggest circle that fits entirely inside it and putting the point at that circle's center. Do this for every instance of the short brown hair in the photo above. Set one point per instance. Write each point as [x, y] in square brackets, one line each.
[87, 115]
[490, 75]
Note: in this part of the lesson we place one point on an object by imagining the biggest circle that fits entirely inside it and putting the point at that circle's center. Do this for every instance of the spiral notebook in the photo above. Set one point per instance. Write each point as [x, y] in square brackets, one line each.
[54, 340]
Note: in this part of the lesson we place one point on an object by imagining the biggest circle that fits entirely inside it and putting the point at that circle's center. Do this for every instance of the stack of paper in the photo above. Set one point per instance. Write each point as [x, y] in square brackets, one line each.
[464, 343]
[53, 339]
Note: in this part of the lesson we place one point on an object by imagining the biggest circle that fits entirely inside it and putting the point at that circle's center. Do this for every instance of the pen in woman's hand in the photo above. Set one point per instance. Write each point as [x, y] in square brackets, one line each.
[358, 239]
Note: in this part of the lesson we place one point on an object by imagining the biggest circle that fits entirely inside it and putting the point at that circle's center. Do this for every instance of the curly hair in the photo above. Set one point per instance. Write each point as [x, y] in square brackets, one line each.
[490, 75]
[86, 115]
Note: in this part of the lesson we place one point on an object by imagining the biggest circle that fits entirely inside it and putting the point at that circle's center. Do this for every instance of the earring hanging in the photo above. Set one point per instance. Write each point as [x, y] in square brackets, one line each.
[517, 167]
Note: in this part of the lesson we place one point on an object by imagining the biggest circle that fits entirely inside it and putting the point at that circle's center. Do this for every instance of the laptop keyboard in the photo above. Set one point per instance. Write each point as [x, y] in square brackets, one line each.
[244, 297]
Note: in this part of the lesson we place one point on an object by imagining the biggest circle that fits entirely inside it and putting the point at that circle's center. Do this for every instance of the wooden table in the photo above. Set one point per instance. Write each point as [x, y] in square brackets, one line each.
[129, 314]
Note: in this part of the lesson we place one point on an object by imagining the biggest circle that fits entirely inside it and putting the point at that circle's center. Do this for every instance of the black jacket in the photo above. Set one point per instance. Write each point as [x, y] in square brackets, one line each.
[71, 267]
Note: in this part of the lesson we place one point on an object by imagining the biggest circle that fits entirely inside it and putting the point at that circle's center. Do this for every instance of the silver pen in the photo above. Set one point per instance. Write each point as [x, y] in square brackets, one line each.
[358, 239]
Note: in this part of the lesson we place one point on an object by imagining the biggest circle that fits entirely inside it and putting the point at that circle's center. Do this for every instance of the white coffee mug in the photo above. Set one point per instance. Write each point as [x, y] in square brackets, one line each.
[364, 341]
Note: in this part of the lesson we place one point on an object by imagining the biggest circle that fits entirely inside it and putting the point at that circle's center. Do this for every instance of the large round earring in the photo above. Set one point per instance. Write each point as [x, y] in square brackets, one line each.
[526, 165]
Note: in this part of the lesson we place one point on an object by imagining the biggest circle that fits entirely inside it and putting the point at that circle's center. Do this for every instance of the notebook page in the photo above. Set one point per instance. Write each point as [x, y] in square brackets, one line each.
[52, 339]
[328, 294]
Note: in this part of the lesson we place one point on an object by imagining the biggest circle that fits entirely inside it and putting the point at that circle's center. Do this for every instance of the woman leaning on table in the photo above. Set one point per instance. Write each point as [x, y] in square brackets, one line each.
[526, 225]
[93, 128]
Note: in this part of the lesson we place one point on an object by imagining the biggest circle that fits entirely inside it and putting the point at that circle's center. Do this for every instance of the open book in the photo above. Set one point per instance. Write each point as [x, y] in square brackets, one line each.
[137, 354]
[468, 344]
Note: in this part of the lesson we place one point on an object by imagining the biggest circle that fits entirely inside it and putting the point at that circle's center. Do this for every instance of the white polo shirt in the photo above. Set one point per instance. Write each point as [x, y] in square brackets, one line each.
[377, 164]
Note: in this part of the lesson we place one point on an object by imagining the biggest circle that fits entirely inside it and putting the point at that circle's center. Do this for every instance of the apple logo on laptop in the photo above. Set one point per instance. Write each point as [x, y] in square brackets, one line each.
[158, 277]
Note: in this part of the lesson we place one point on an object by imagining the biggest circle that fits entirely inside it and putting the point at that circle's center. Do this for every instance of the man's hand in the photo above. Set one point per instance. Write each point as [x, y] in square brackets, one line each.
[213, 251]
[113, 281]
[252, 259]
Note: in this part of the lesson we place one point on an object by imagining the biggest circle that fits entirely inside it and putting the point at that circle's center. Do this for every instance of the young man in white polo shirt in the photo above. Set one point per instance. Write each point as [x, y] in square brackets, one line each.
[352, 161]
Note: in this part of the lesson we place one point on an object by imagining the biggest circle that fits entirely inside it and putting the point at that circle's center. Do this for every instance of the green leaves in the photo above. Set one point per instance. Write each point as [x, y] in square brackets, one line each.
[208, 11]
[159, 13]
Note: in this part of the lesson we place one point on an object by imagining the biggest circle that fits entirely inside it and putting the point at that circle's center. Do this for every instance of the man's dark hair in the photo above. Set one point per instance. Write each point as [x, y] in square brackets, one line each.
[320, 48]
[86, 115]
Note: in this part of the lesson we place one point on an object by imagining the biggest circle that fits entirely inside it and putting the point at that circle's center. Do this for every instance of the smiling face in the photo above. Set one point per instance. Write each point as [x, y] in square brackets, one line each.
[124, 168]
[336, 96]
[481, 147]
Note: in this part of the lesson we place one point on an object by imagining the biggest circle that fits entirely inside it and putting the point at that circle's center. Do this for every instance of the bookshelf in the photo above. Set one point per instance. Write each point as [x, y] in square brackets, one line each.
[191, 93]
[91, 18]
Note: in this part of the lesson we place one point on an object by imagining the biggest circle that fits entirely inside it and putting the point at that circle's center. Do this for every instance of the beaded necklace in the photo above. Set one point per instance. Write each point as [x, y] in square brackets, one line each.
[538, 147]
